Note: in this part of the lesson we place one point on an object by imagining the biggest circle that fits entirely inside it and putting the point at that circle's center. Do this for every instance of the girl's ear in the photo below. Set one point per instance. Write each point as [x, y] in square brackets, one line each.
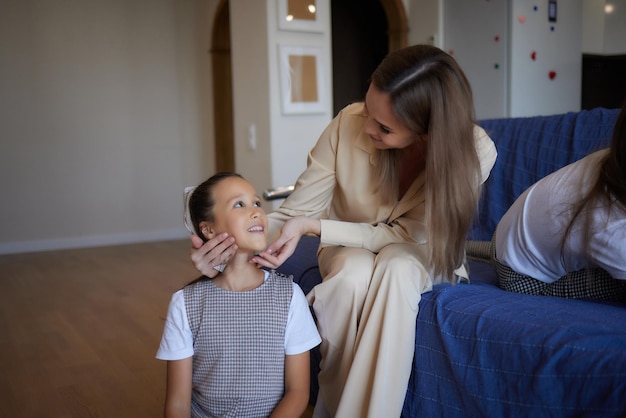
[207, 230]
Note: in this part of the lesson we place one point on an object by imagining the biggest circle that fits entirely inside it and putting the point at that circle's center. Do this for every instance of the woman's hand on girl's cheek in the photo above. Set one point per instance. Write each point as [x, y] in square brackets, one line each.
[277, 253]
[216, 251]
[264, 259]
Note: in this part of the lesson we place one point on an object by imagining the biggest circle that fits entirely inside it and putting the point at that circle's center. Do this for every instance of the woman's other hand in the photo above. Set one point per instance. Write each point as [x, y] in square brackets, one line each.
[216, 251]
[281, 249]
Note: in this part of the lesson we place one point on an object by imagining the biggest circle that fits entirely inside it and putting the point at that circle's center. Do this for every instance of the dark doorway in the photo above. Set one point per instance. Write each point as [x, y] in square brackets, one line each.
[222, 90]
[359, 43]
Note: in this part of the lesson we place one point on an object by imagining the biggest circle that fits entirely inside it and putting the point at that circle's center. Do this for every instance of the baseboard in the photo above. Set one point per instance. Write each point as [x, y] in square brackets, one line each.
[91, 241]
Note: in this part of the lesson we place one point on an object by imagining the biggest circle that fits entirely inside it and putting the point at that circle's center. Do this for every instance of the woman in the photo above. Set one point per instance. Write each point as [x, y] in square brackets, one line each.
[566, 235]
[390, 188]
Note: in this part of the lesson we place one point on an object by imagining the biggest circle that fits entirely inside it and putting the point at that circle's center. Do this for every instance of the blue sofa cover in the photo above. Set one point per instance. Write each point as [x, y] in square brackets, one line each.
[484, 352]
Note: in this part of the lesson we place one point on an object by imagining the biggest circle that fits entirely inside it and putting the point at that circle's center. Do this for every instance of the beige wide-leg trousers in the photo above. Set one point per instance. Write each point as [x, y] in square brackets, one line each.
[366, 309]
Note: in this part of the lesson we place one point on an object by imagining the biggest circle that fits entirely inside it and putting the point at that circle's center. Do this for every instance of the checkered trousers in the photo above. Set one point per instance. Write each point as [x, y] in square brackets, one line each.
[593, 283]
[239, 355]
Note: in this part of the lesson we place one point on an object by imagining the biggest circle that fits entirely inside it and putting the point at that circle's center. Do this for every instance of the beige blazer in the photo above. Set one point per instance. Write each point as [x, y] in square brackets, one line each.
[339, 188]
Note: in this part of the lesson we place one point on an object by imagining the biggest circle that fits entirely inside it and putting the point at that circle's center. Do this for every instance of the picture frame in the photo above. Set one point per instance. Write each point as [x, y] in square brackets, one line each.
[300, 15]
[302, 84]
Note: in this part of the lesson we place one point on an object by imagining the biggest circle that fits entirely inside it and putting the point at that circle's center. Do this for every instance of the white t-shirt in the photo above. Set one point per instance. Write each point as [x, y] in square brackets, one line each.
[177, 342]
[528, 237]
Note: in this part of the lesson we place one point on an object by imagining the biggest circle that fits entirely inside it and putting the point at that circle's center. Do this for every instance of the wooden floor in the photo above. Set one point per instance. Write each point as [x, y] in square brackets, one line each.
[79, 329]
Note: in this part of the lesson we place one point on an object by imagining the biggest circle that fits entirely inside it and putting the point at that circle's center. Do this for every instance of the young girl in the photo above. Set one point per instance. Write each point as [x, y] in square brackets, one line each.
[237, 345]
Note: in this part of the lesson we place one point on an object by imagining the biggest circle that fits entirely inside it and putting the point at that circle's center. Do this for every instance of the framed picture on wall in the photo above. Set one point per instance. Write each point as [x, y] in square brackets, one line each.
[301, 79]
[300, 15]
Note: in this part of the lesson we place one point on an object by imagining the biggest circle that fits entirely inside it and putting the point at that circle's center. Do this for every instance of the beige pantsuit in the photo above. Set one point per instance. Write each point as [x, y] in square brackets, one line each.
[366, 308]
[373, 262]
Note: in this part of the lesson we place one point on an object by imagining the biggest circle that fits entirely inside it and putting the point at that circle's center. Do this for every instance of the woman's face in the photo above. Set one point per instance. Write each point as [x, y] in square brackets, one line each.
[382, 126]
[238, 211]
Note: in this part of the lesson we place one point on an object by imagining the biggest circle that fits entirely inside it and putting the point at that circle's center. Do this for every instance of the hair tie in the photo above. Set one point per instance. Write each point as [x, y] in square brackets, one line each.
[187, 216]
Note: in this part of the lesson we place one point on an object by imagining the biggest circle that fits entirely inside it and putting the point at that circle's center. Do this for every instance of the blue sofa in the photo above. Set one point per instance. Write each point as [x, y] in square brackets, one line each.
[484, 352]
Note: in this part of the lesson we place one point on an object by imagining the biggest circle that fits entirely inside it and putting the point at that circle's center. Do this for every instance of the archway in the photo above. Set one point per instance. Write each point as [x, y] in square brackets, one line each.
[398, 27]
[222, 90]
[385, 20]
[363, 32]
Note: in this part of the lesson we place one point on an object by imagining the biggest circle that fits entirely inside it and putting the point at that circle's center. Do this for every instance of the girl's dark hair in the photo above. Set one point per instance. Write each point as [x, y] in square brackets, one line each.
[609, 189]
[612, 180]
[201, 201]
[200, 205]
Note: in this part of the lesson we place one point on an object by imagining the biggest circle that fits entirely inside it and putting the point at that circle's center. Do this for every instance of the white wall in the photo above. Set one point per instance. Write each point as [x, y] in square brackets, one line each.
[558, 48]
[282, 142]
[505, 78]
[593, 26]
[604, 27]
[100, 123]
[476, 34]
[293, 135]
[107, 113]
[426, 19]
[615, 28]
[251, 90]
[423, 20]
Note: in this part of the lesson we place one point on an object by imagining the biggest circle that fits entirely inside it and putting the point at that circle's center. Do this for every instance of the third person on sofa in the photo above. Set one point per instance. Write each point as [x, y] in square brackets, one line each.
[566, 234]
[391, 188]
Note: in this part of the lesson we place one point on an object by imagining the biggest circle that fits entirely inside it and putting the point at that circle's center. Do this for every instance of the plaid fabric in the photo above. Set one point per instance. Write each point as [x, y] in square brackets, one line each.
[239, 355]
[593, 283]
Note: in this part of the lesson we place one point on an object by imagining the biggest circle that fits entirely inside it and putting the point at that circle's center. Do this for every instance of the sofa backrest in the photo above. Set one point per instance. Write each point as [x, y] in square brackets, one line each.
[530, 148]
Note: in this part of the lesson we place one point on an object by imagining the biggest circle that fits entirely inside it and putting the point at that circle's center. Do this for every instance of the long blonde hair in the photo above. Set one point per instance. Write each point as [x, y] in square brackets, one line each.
[431, 95]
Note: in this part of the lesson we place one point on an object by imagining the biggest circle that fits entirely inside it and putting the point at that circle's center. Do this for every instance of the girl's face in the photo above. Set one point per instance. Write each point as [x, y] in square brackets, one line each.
[238, 211]
[382, 126]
